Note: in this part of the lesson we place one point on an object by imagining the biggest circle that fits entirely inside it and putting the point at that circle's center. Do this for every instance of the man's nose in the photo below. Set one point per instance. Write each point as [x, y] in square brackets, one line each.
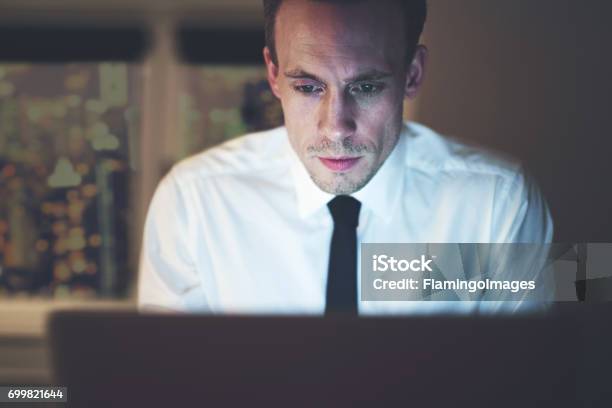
[337, 117]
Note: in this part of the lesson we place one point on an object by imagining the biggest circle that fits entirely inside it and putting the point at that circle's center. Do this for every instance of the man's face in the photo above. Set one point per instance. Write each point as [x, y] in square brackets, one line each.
[341, 77]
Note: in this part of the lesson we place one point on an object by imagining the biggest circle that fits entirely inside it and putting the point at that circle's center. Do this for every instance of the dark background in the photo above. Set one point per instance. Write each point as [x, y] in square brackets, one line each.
[532, 78]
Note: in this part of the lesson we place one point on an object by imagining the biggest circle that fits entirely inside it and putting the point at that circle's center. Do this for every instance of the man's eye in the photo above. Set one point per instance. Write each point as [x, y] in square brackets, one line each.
[308, 89]
[365, 89]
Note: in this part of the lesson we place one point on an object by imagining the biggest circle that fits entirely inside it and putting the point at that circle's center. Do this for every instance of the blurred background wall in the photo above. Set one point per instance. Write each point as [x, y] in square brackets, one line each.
[531, 78]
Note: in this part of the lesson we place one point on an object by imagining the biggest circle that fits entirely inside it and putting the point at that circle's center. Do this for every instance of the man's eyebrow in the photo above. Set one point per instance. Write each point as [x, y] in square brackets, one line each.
[371, 75]
[301, 74]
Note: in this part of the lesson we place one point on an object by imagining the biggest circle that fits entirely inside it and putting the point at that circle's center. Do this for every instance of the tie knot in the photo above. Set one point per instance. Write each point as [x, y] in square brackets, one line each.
[345, 210]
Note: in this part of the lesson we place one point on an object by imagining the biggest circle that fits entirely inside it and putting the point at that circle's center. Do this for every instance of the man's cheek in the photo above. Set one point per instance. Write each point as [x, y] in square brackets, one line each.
[384, 108]
[301, 115]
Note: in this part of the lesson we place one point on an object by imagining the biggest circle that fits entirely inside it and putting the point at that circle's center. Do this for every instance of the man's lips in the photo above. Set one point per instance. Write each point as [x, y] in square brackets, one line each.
[339, 163]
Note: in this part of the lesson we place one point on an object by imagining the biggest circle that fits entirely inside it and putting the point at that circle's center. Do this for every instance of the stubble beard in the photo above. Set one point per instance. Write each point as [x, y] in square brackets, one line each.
[340, 183]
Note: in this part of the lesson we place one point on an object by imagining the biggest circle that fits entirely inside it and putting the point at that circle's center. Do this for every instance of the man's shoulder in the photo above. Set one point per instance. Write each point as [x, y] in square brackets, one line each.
[245, 155]
[432, 152]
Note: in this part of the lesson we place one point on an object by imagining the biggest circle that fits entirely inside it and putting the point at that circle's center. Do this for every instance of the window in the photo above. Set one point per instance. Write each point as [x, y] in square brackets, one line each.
[223, 88]
[69, 130]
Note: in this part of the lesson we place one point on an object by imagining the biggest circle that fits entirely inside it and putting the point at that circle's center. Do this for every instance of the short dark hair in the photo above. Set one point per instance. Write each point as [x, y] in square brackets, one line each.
[415, 14]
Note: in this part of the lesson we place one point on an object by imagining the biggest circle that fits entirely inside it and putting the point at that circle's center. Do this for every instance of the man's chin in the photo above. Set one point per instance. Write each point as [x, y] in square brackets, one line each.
[339, 184]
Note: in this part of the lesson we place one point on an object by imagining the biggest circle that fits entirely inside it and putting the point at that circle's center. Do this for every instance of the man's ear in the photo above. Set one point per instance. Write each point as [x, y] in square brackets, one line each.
[416, 72]
[272, 72]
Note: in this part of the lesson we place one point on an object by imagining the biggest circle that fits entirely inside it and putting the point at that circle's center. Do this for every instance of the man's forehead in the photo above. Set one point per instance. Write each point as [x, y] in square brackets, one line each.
[366, 30]
[342, 55]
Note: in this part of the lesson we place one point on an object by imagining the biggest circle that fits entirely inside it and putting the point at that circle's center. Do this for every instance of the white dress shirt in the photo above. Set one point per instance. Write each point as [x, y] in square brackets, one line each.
[241, 228]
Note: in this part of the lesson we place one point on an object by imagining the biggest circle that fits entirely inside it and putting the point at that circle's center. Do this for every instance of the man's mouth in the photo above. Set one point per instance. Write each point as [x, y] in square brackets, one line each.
[339, 163]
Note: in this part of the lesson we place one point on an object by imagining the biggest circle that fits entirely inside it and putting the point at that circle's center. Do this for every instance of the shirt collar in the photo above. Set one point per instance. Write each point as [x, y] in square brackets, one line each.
[381, 195]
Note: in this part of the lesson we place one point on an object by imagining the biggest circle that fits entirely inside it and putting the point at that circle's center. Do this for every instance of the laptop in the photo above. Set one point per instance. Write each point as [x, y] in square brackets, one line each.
[124, 359]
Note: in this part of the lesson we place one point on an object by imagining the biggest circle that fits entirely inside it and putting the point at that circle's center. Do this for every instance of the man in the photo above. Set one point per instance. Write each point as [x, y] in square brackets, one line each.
[269, 223]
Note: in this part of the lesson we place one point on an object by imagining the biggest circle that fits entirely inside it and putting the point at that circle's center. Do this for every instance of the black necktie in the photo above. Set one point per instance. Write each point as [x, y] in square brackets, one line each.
[342, 271]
